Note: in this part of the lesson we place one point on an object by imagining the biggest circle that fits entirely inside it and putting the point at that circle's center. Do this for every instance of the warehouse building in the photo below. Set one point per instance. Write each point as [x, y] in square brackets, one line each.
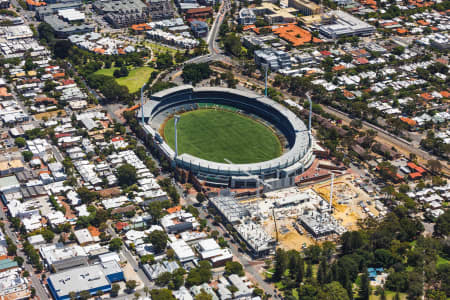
[90, 278]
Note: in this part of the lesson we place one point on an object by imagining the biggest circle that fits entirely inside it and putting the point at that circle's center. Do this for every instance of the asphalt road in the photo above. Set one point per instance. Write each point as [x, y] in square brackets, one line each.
[41, 292]
[131, 260]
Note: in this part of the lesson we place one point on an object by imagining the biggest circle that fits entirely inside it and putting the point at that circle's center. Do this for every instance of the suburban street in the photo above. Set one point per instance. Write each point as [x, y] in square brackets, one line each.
[41, 292]
[130, 258]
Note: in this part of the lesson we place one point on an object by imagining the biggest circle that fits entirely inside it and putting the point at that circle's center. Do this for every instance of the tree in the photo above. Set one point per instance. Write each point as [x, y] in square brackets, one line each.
[146, 290]
[280, 264]
[164, 61]
[442, 225]
[398, 50]
[435, 165]
[20, 142]
[234, 267]
[163, 279]
[72, 295]
[415, 285]
[27, 155]
[203, 295]
[115, 289]
[159, 240]
[126, 174]
[162, 294]
[122, 72]
[87, 196]
[84, 295]
[199, 275]
[48, 235]
[232, 45]
[364, 291]
[19, 260]
[195, 73]
[115, 244]
[130, 285]
[333, 291]
[200, 197]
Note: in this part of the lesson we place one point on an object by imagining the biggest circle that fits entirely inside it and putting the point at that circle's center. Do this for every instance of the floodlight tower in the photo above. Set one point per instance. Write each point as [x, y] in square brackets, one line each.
[309, 118]
[142, 103]
[176, 118]
[266, 68]
[331, 192]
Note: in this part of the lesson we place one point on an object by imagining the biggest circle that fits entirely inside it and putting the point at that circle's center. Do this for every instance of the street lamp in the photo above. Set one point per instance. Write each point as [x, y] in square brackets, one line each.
[142, 103]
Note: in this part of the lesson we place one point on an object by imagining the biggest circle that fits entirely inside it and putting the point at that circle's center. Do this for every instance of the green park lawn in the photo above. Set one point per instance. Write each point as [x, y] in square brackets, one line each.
[217, 134]
[135, 79]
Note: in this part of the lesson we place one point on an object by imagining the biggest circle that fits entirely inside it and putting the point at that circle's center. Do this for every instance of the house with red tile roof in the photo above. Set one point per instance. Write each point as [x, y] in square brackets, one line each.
[426, 96]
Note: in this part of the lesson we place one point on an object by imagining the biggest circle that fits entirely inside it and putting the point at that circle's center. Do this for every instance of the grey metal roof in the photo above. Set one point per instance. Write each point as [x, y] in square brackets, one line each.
[78, 279]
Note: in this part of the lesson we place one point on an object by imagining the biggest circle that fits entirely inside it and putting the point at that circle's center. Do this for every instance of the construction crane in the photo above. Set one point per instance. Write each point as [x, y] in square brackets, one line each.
[275, 223]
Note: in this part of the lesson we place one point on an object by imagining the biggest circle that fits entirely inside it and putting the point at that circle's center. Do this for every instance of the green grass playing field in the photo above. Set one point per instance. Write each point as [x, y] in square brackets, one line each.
[215, 135]
[135, 79]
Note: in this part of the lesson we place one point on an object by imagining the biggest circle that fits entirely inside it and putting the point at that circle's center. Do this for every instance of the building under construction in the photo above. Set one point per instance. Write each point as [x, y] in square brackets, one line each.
[258, 242]
[320, 224]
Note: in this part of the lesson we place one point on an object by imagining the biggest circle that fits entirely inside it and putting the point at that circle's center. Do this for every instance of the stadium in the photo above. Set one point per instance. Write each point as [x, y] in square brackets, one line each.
[227, 137]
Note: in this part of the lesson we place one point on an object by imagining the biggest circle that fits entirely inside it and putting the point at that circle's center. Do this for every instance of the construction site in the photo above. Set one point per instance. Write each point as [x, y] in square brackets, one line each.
[297, 217]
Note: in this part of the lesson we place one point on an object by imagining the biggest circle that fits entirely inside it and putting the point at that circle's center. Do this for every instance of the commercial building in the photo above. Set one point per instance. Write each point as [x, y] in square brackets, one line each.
[305, 7]
[210, 250]
[90, 278]
[12, 284]
[201, 12]
[11, 167]
[273, 14]
[178, 222]
[153, 271]
[275, 59]
[53, 9]
[123, 13]
[182, 251]
[60, 257]
[160, 9]
[5, 4]
[199, 28]
[63, 28]
[247, 16]
[340, 23]
[71, 15]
